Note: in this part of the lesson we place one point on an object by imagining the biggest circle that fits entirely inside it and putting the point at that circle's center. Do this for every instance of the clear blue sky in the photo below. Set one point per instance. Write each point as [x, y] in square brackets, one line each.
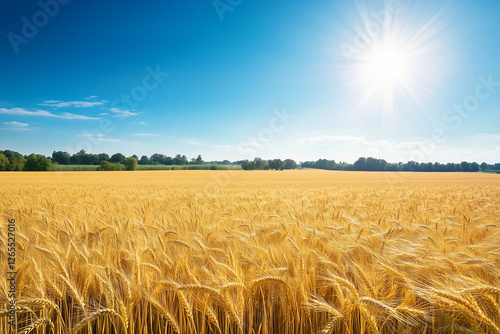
[235, 79]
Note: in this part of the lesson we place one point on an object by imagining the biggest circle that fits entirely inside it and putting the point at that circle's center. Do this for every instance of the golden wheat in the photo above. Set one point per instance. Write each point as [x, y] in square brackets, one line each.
[262, 252]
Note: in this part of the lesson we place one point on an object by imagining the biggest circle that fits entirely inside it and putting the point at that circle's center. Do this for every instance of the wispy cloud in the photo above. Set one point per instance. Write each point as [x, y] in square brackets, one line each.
[117, 112]
[405, 150]
[356, 141]
[146, 134]
[75, 104]
[68, 115]
[193, 141]
[99, 137]
[42, 113]
[332, 139]
[223, 146]
[17, 124]
[492, 137]
[92, 135]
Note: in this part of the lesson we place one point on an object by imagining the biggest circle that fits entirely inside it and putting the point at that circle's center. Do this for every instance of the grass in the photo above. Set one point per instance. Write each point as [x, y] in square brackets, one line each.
[81, 168]
[265, 252]
[190, 167]
[74, 168]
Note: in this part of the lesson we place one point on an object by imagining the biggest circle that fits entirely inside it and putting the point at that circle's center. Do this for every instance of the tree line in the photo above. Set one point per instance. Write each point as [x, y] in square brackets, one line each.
[372, 164]
[15, 161]
[276, 164]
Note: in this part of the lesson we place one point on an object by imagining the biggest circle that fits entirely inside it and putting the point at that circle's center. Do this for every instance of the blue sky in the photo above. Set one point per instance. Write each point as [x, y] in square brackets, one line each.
[231, 79]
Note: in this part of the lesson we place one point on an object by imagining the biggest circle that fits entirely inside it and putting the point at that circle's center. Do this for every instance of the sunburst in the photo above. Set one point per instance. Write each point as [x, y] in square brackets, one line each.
[393, 62]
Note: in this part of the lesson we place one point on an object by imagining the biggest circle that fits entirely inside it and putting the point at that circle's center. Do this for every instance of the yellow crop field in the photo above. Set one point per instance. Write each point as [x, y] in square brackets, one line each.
[302, 251]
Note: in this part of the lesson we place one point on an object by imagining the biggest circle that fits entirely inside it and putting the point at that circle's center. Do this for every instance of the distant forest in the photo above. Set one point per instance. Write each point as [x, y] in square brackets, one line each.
[15, 161]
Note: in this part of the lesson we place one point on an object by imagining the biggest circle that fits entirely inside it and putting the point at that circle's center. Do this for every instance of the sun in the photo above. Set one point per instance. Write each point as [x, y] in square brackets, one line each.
[387, 66]
[383, 76]
[391, 61]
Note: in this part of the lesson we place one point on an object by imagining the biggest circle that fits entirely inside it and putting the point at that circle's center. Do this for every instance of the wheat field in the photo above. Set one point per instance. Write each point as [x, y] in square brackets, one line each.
[303, 251]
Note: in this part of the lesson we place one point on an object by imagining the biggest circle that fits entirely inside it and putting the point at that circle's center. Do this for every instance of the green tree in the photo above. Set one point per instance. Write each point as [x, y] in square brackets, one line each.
[117, 158]
[276, 164]
[484, 167]
[4, 162]
[79, 158]
[16, 159]
[31, 162]
[158, 158]
[103, 157]
[109, 166]
[465, 166]
[144, 160]
[290, 164]
[248, 165]
[259, 163]
[180, 160]
[17, 163]
[60, 157]
[37, 163]
[474, 167]
[360, 164]
[130, 164]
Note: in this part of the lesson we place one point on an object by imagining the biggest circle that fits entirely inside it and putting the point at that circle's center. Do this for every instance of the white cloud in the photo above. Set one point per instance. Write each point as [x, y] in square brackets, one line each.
[405, 150]
[488, 137]
[76, 104]
[99, 137]
[112, 140]
[16, 124]
[356, 141]
[331, 139]
[146, 134]
[41, 113]
[193, 141]
[223, 146]
[68, 115]
[117, 112]
[92, 135]
[91, 97]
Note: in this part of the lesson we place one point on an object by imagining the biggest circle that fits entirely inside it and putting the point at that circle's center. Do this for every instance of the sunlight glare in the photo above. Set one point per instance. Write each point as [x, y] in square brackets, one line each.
[392, 63]
[387, 66]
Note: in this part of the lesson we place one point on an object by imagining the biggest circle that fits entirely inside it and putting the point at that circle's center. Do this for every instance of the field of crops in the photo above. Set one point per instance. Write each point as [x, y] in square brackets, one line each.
[303, 251]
